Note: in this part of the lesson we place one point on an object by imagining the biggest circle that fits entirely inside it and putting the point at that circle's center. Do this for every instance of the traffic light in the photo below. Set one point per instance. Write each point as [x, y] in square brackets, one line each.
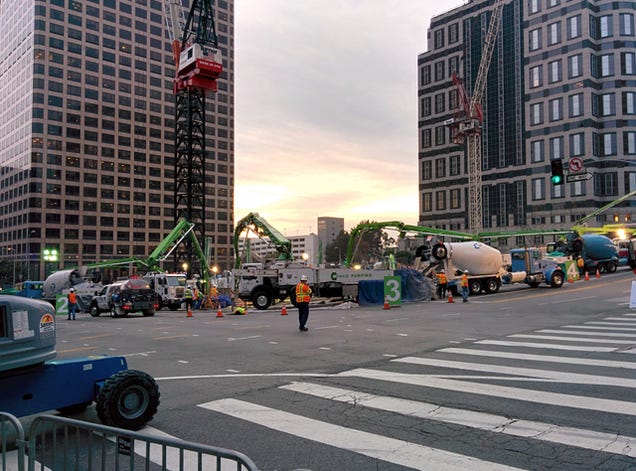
[557, 177]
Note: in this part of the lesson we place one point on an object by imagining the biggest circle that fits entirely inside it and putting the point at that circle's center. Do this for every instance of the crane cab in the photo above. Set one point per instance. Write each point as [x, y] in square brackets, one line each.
[204, 60]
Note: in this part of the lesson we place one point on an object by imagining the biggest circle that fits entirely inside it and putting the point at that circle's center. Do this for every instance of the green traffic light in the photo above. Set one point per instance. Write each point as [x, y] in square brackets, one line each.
[557, 179]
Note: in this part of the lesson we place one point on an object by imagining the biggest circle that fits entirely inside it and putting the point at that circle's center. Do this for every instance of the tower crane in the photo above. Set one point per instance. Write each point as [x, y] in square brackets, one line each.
[466, 125]
[198, 65]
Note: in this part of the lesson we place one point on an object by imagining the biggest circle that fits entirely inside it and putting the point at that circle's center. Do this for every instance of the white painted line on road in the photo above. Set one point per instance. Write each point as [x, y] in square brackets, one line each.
[469, 339]
[183, 361]
[549, 346]
[598, 327]
[233, 339]
[402, 335]
[618, 324]
[141, 354]
[621, 319]
[573, 332]
[327, 327]
[389, 355]
[517, 394]
[454, 341]
[581, 438]
[248, 375]
[232, 371]
[568, 339]
[397, 319]
[387, 449]
[544, 358]
[536, 374]
[567, 300]
[324, 348]
[273, 343]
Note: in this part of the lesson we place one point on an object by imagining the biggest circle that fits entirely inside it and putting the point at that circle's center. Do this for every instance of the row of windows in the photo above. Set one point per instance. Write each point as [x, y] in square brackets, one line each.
[534, 6]
[440, 200]
[602, 105]
[440, 167]
[603, 145]
[600, 28]
[441, 70]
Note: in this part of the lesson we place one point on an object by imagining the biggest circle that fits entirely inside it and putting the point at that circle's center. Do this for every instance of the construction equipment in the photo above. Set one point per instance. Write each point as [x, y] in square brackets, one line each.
[33, 381]
[198, 65]
[466, 125]
[261, 228]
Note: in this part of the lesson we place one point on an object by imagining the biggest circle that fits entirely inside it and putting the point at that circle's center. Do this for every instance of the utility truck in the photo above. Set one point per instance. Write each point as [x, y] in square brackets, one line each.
[599, 252]
[33, 381]
[486, 269]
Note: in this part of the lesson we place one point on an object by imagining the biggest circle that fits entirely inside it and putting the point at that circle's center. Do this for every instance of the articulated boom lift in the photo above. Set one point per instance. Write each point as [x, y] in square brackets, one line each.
[198, 65]
[466, 126]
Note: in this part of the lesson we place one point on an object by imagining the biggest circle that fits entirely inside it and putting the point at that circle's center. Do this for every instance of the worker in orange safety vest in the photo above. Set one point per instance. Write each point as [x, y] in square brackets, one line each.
[463, 282]
[303, 296]
[442, 284]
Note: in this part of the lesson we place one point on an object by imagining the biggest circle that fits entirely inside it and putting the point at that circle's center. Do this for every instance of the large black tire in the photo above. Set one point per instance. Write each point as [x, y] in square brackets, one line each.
[149, 313]
[610, 267]
[474, 286]
[491, 285]
[261, 299]
[292, 296]
[439, 251]
[94, 310]
[129, 399]
[557, 279]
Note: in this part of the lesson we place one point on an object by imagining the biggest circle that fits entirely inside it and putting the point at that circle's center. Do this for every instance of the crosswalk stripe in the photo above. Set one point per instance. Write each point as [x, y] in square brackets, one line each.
[369, 444]
[570, 339]
[622, 319]
[560, 376]
[551, 346]
[544, 358]
[617, 324]
[528, 395]
[598, 441]
[575, 332]
[597, 327]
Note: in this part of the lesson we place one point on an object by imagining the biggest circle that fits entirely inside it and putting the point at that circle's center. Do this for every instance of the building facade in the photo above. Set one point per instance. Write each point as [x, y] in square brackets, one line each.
[561, 85]
[328, 230]
[87, 165]
[305, 248]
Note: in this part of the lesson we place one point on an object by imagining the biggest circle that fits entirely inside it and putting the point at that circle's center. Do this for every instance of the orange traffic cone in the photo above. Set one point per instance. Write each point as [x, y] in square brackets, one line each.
[587, 276]
[598, 273]
[570, 279]
[219, 313]
[189, 314]
[450, 297]
[283, 311]
[386, 304]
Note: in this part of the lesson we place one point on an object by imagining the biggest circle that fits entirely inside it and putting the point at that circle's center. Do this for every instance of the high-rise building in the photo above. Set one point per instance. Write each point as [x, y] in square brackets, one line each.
[328, 230]
[561, 85]
[87, 133]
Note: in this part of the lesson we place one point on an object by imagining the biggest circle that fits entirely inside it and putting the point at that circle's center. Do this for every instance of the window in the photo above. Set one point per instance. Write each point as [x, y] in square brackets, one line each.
[555, 73]
[425, 75]
[453, 33]
[556, 148]
[427, 202]
[557, 191]
[629, 142]
[426, 106]
[426, 138]
[454, 165]
[440, 168]
[574, 66]
[606, 144]
[536, 113]
[577, 189]
[629, 102]
[556, 109]
[575, 105]
[628, 63]
[605, 184]
[607, 65]
[574, 27]
[536, 151]
[577, 144]
[605, 26]
[554, 33]
[534, 6]
[439, 103]
[536, 76]
[455, 198]
[626, 24]
[538, 189]
[439, 71]
[534, 39]
[439, 38]
[440, 135]
[440, 200]
[608, 106]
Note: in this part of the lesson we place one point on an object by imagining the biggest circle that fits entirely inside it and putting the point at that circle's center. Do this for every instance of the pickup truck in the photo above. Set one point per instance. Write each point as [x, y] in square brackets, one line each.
[123, 297]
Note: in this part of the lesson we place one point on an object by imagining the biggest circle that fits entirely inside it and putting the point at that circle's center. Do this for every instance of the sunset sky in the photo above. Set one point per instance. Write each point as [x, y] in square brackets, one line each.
[326, 109]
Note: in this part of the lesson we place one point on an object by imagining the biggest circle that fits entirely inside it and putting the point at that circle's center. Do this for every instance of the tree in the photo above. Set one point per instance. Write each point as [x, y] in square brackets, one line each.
[336, 250]
[404, 257]
[369, 246]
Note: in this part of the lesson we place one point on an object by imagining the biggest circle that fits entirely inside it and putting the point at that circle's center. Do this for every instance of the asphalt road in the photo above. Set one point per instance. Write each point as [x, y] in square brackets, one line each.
[526, 378]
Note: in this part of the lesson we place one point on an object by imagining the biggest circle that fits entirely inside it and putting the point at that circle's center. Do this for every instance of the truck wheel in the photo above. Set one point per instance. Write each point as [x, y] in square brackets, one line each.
[261, 299]
[557, 279]
[474, 286]
[439, 251]
[610, 267]
[492, 286]
[129, 399]
[149, 313]
[94, 310]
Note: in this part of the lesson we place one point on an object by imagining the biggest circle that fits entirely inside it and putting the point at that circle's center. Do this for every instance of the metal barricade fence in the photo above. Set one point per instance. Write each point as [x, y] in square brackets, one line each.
[63, 444]
[12, 443]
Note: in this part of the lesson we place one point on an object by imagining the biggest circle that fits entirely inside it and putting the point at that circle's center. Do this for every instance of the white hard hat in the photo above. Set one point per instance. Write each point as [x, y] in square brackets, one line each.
[303, 278]
[72, 290]
[442, 270]
[466, 271]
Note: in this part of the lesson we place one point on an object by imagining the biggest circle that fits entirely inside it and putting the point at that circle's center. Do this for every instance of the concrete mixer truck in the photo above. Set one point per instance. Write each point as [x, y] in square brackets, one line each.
[486, 270]
[599, 252]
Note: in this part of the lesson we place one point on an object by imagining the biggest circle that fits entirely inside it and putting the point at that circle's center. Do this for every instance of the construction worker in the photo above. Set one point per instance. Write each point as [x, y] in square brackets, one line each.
[189, 296]
[580, 263]
[442, 284]
[72, 304]
[463, 283]
[303, 296]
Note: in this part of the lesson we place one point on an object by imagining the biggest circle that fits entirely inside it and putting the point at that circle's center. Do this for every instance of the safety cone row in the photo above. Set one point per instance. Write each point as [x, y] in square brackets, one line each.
[386, 304]
[283, 311]
[587, 276]
[450, 297]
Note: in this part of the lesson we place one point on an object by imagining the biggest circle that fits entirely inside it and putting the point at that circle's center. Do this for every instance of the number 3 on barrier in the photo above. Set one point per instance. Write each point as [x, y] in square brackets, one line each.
[393, 290]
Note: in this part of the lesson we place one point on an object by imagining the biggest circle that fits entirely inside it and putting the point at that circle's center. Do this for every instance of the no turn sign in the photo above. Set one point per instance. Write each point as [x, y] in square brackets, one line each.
[575, 164]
